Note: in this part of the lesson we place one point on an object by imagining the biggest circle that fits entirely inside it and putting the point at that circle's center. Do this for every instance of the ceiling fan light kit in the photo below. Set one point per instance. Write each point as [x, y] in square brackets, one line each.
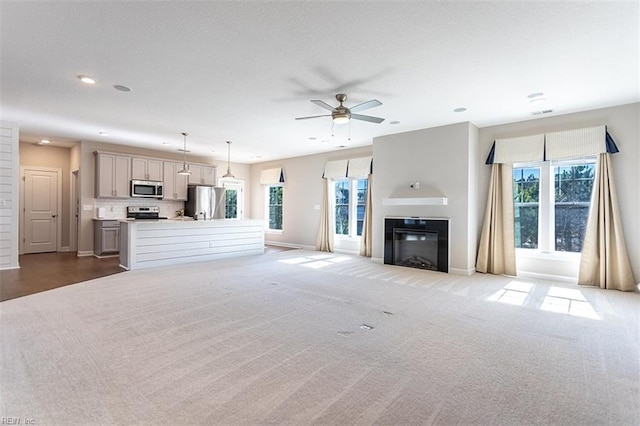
[341, 114]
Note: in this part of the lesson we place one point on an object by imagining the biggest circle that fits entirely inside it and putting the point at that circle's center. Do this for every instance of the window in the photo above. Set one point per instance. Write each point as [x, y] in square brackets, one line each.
[231, 205]
[234, 197]
[551, 204]
[350, 199]
[274, 206]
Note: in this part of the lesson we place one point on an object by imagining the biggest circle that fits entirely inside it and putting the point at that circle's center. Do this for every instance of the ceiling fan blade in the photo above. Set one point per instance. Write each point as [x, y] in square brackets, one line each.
[323, 104]
[313, 116]
[366, 105]
[367, 118]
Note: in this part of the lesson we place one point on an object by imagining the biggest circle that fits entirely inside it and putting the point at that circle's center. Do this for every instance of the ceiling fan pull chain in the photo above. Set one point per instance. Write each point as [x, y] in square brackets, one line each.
[332, 126]
[349, 130]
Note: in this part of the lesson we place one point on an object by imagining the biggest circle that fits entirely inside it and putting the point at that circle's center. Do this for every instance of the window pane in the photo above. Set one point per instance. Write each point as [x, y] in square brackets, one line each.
[275, 207]
[342, 207]
[573, 187]
[231, 209]
[360, 207]
[526, 196]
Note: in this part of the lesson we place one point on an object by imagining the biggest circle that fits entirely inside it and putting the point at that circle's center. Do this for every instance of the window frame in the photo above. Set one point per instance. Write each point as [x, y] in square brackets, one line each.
[546, 207]
[267, 210]
[352, 208]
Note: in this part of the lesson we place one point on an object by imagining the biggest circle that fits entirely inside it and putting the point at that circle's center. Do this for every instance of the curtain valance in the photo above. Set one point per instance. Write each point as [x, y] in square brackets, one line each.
[336, 169]
[523, 149]
[350, 167]
[576, 143]
[360, 167]
[272, 176]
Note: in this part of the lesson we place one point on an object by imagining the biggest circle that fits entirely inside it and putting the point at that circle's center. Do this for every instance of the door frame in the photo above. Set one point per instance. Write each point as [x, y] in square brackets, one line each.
[21, 212]
[238, 185]
[74, 209]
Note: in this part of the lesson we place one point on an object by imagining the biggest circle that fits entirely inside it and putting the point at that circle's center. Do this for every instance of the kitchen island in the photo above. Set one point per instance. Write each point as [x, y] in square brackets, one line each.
[151, 243]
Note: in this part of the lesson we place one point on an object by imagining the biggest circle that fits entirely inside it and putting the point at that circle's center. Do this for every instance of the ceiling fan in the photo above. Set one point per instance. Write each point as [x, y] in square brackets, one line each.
[342, 114]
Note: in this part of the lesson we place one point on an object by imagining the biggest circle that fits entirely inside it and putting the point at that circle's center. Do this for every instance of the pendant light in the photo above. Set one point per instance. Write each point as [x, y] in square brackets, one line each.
[228, 174]
[185, 169]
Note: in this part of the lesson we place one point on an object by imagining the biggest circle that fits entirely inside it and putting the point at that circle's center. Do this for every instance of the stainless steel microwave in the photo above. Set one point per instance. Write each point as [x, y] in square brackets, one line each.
[146, 189]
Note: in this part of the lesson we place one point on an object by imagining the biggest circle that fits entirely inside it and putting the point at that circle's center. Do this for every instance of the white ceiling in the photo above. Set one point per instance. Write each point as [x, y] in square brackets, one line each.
[243, 70]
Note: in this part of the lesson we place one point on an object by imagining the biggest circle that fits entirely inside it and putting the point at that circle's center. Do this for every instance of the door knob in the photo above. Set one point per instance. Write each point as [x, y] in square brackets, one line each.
[54, 215]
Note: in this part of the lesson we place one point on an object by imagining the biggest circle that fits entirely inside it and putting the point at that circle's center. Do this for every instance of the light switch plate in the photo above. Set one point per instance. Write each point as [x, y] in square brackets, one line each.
[87, 207]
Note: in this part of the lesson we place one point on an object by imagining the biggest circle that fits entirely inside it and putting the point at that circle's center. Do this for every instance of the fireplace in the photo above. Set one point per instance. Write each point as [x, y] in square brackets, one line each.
[417, 243]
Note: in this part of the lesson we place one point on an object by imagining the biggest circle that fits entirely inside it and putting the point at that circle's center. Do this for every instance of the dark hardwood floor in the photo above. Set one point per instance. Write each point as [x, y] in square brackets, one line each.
[46, 271]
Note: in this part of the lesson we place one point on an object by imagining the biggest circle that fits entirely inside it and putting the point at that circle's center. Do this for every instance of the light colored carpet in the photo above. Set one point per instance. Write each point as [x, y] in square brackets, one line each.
[301, 337]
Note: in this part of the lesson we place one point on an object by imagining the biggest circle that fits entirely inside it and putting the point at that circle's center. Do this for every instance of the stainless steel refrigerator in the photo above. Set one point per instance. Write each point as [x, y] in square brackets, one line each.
[205, 202]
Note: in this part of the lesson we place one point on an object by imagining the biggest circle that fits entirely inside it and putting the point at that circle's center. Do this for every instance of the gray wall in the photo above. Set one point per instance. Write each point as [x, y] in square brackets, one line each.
[440, 158]
[623, 124]
[53, 157]
[451, 159]
[302, 191]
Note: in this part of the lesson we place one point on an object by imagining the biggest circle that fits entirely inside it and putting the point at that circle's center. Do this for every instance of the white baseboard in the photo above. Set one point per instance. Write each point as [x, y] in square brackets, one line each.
[465, 272]
[355, 253]
[280, 244]
[64, 249]
[85, 253]
[106, 256]
[9, 268]
[547, 277]
[377, 260]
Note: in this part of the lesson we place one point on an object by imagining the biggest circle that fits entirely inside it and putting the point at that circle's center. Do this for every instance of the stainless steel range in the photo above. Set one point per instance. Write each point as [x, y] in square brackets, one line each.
[139, 212]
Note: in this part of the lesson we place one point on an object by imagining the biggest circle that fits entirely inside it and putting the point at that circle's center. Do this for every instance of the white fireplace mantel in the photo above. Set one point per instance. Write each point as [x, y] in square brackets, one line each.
[415, 201]
[412, 196]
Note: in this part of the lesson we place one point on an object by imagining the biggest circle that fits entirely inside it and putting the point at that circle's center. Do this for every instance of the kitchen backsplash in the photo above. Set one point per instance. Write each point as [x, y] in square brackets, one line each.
[117, 209]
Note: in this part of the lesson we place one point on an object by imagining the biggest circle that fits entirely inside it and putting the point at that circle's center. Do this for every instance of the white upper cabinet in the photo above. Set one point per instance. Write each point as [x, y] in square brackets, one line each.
[113, 173]
[146, 169]
[202, 175]
[174, 185]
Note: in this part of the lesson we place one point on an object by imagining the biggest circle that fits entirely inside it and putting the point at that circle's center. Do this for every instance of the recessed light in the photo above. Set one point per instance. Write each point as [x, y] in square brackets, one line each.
[44, 142]
[537, 100]
[394, 122]
[535, 95]
[87, 79]
[312, 138]
[256, 157]
[122, 88]
[461, 109]
[103, 133]
[183, 150]
[165, 143]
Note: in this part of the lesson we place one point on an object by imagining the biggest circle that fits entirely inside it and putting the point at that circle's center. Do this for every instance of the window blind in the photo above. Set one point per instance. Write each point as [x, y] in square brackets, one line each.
[359, 167]
[272, 176]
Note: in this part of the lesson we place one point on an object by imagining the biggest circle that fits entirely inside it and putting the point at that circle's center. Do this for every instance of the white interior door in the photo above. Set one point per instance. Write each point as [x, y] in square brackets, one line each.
[41, 215]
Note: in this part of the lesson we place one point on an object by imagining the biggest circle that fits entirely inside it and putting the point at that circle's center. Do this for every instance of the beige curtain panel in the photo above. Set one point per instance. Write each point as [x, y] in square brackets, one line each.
[497, 253]
[604, 261]
[366, 242]
[324, 241]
